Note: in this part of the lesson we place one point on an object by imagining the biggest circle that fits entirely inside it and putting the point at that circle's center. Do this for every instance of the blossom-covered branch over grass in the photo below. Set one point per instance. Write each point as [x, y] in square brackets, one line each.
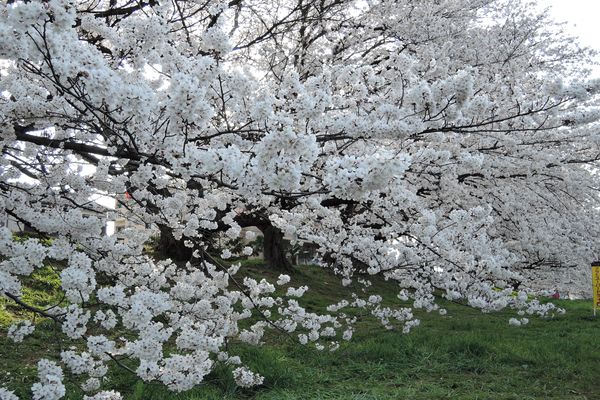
[447, 145]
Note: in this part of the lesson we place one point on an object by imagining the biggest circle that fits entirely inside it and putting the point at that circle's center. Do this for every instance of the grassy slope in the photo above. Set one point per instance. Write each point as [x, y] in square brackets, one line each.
[463, 355]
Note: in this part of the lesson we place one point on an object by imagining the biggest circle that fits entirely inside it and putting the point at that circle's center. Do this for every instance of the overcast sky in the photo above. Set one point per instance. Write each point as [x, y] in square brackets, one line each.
[583, 18]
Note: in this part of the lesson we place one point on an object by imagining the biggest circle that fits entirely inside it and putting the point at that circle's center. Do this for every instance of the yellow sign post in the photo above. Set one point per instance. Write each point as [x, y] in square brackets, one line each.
[596, 284]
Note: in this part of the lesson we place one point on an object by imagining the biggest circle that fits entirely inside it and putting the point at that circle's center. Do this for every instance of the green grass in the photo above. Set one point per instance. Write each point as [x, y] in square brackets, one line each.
[41, 289]
[463, 355]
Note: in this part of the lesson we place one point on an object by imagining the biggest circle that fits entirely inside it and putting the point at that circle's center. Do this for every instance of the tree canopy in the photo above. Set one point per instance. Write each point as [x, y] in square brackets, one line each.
[450, 145]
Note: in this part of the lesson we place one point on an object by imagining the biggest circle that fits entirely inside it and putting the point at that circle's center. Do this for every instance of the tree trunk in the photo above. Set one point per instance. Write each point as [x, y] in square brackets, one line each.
[169, 247]
[274, 249]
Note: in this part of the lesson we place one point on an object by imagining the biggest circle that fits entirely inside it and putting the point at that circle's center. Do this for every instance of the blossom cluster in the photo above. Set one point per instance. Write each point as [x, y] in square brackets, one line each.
[368, 130]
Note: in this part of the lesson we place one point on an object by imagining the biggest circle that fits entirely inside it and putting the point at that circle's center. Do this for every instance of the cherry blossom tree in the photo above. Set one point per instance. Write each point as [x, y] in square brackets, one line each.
[450, 146]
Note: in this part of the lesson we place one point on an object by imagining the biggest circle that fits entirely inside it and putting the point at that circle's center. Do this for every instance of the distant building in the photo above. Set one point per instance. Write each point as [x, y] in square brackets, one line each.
[121, 218]
[13, 224]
